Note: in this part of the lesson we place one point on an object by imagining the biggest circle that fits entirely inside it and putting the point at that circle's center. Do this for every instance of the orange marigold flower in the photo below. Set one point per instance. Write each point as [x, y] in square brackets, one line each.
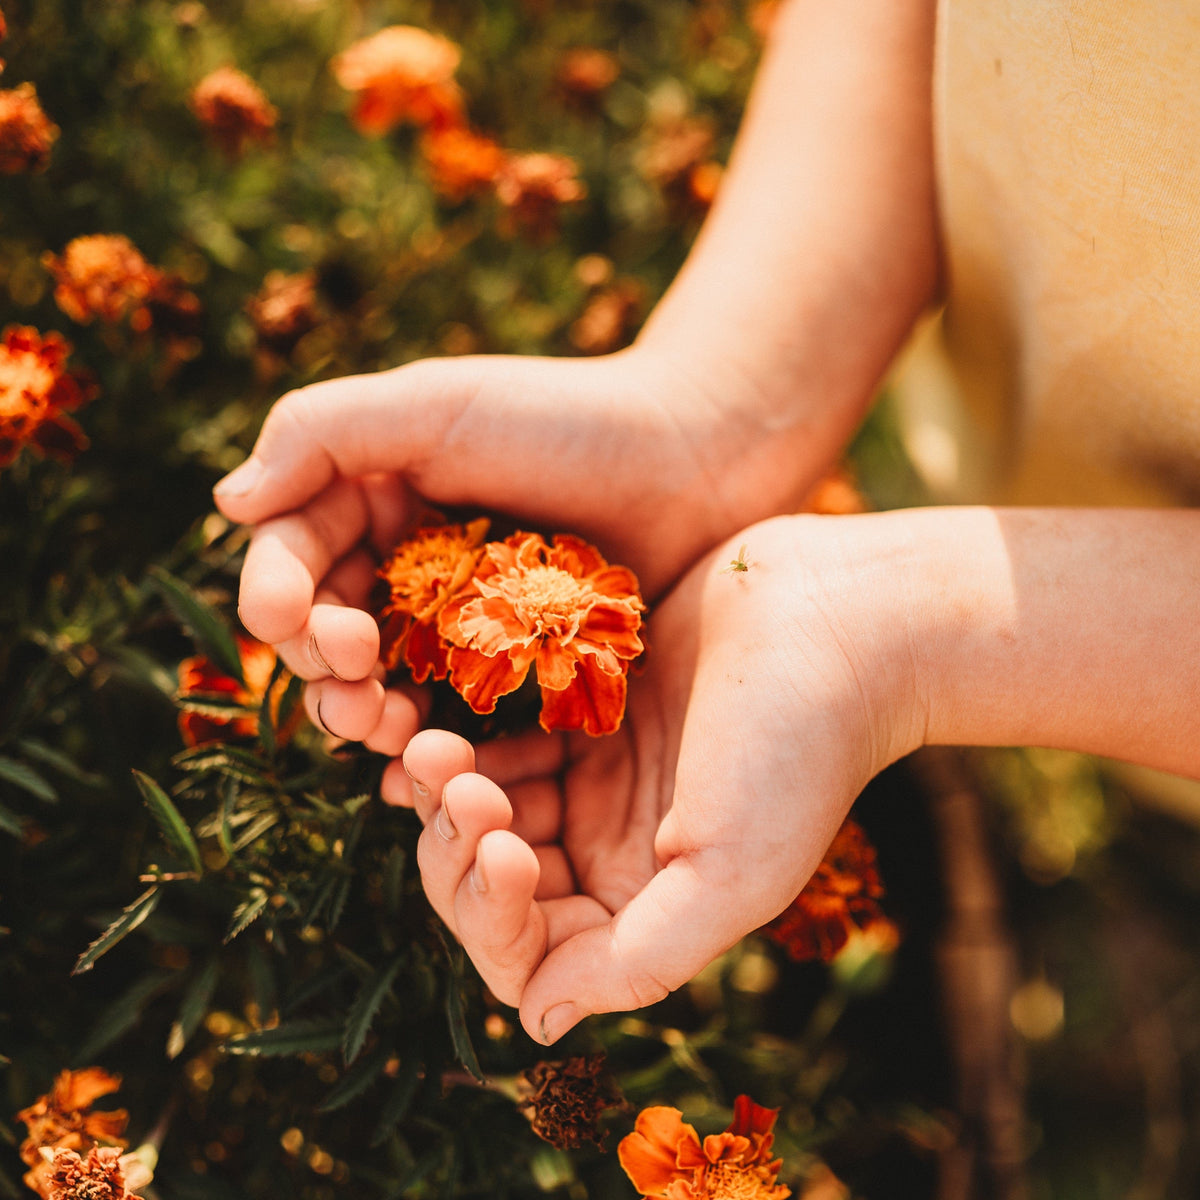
[585, 73]
[534, 187]
[200, 677]
[285, 308]
[664, 1156]
[234, 109]
[26, 133]
[401, 74]
[609, 317]
[460, 161]
[100, 275]
[36, 392]
[101, 1176]
[560, 606]
[422, 575]
[838, 900]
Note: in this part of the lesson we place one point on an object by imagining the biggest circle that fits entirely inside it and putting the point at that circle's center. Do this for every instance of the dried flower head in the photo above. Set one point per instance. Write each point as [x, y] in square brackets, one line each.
[534, 187]
[401, 74]
[215, 707]
[841, 898]
[564, 1100]
[585, 74]
[234, 109]
[664, 1156]
[609, 318]
[37, 390]
[100, 275]
[100, 1176]
[423, 574]
[26, 133]
[559, 606]
[460, 162]
[285, 308]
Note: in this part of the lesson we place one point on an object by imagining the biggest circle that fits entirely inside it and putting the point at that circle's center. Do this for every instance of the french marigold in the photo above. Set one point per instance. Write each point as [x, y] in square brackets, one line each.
[664, 1156]
[564, 1100]
[26, 133]
[423, 574]
[284, 309]
[534, 187]
[586, 73]
[840, 899]
[460, 162]
[37, 390]
[200, 677]
[100, 1176]
[100, 275]
[234, 109]
[401, 74]
[63, 1119]
[559, 606]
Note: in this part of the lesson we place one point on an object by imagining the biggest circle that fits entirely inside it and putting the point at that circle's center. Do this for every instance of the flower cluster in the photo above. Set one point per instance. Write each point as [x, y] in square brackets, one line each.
[484, 614]
[664, 1156]
[840, 899]
[37, 390]
[26, 133]
[234, 109]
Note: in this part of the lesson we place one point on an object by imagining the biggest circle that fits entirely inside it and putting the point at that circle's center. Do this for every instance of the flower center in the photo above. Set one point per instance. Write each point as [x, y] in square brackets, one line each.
[730, 1181]
[549, 600]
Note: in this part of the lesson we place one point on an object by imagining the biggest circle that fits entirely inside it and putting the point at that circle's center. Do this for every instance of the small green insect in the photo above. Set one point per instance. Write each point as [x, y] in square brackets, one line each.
[738, 564]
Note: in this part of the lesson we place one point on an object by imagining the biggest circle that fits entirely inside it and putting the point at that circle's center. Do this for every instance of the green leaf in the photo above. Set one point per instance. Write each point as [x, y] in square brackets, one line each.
[174, 828]
[364, 1009]
[460, 1037]
[193, 1008]
[63, 763]
[356, 1081]
[210, 631]
[126, 923]
[122, 1015]
[393, 881]
[22, 775]
[294, 1037]
[255, 830]
[400, 1099]
[247, 913]
[10, 822]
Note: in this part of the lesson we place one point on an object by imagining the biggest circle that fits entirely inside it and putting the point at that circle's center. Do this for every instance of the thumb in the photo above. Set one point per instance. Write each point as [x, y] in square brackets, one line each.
[344, 427]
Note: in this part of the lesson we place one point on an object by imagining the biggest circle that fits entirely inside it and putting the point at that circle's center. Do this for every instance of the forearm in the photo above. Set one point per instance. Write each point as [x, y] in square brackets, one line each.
[1072, 628]
[821, 249]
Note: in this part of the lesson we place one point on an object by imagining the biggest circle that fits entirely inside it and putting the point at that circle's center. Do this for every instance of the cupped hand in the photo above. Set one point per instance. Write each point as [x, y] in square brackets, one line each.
[587, 875]
[649, 457]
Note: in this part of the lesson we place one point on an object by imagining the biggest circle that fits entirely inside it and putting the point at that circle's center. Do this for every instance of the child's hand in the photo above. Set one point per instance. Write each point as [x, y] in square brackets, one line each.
[590, 875]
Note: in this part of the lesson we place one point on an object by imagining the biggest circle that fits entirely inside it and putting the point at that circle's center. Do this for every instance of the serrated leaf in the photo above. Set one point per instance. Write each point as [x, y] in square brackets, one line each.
[399, 1099]
[356, 1081]
[193, 1007]
[213, 704]
[257, 827]
[22, 775]
[210, 631]
[61, 762]
[295, 1037]
[337, 905]
[210, 755]
[364, 1009]
[460, 1037]
[393, 881]
[267, 738]
[126, 923]
[246, 913]
[170, 822]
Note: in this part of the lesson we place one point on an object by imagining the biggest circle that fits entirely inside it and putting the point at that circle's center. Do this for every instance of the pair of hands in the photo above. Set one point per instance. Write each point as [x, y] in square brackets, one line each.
[589, 875]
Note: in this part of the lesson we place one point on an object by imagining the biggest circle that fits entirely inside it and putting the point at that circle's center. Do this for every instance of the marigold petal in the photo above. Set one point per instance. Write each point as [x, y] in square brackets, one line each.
[576, 556]
[556, 665]
[594, 701]
[481, 680]
[750, 1118]
[81, 1089]
[614, 624]
[649, 1155]
[425, 653]
[488, 624]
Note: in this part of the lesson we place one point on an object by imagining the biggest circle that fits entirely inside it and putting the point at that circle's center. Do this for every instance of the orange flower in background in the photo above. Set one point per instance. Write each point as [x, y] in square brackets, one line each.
[423, 574]
[36, 392]
[460, 161]
[401, 74]
[534, 187]
[200, 677]
[101, 1176]
[26, 133]
[285, 308]
[586, 73]
[664, 1156]
[840, 899]
[234, 109]
[100, 275]
[559, 606]
[609, 318]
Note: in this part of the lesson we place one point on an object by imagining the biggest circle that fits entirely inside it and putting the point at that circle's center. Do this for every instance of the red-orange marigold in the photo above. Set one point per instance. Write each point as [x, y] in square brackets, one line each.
[234, 109]
[26, 133]
[534, 187]
[561, 607]
[401, 74]
[100, 275]
[664, 1156]
[36, 392]
[460, 161]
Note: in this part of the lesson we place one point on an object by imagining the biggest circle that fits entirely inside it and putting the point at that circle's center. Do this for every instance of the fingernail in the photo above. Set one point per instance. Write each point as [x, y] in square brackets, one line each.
[321, 719]
[479, 877]
[242, 481]
[444, 825]
[315, 653]
[419, 789]
[558, 1020]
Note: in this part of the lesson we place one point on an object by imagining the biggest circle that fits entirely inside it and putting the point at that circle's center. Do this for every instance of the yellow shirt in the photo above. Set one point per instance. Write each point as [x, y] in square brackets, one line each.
[1066, 365]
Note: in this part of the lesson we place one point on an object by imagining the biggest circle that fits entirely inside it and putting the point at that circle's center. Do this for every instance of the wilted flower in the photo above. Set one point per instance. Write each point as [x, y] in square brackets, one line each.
[534, 187]
[207, 695]
[100, 275]
[563, 1100]
[36, 392]
[838, 900]
[423, 574]
[585, 73]
[234, 109]
[26, 133]
[460, 161]
[401, 74]
[609, 317]
[560, 606]
[285, 308]
[664, 1156]
[100, 1176]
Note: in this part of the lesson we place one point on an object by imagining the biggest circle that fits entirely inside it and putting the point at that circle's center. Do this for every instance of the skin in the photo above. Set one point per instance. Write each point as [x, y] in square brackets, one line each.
[587, 875]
